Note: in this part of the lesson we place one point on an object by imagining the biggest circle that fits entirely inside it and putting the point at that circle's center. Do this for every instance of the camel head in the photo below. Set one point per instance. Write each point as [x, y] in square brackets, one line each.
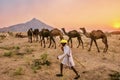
[83, 29]
[63, 29]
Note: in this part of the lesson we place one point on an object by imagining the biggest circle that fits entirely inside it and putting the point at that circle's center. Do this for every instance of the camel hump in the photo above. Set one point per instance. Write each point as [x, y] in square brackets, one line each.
[36, 31]
[97, 33]
[100, 31]
[73, 32]
[44, 30]
[55, 29]
[56, 32]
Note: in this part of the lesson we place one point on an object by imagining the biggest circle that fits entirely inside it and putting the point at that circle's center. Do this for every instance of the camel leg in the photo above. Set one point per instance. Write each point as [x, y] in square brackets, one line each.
[50, 43]
[36, 38]
[71, 43]
[44, 42]
[33, 38]
[68, 40]
[104, 40]
[51, 39]
[47, 40]
[40, 39]
[54, 42]
[90, 45]
[30, 39]
[78, 38]
[82, 43]
[96, 45]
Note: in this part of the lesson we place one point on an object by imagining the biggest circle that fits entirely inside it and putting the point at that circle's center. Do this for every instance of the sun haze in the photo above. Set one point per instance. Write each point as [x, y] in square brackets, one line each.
[70, 14]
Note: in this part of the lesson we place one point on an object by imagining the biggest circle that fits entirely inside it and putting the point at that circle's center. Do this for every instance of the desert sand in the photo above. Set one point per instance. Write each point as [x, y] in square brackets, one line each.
[98, 66]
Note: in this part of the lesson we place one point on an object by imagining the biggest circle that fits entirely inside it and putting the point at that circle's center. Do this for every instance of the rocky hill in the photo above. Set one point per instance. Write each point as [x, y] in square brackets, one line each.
[23, 27]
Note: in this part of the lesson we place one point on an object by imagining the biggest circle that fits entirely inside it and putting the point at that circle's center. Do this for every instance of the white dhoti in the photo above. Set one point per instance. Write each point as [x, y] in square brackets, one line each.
[67, 56]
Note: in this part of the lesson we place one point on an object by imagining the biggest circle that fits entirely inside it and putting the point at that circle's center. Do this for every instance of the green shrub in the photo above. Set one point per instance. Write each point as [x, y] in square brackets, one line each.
[36, 65]
[44, 59]
[10, 47]
[8, 54]
[18, 71]
[16, 47]
[115, 76]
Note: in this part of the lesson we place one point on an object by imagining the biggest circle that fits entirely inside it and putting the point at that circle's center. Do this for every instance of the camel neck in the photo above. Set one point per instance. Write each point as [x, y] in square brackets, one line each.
[86, 34]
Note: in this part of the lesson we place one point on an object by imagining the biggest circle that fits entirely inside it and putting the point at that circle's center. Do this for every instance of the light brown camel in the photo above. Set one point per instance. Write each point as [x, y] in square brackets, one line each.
[94, 35]
[73, 34]
[53, 33]
[56, 32]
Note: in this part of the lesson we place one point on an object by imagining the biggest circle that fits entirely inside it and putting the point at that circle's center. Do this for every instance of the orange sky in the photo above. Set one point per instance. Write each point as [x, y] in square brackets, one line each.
[71, 14]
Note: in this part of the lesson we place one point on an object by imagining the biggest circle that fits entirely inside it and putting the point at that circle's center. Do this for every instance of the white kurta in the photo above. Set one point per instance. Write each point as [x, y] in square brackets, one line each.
[67, 56]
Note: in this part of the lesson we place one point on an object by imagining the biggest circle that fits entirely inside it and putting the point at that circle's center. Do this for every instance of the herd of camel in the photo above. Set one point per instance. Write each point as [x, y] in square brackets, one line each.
[50, 34]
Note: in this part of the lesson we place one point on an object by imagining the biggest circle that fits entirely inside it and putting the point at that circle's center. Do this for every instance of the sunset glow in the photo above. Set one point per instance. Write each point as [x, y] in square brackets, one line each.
[70, 14]
[117, 25]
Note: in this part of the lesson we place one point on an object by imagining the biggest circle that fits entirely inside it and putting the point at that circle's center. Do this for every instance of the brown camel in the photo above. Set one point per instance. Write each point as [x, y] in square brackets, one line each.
[53, 33]
[29, 34]
[73, 34]
[94, 35]
[36, 34]
[44, 33]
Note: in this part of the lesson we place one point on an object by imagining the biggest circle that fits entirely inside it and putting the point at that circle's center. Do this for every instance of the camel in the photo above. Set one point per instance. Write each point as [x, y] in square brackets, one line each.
[53, 33]
[44, 33]
[94, 35]
[30, 33]
[73, 34]
[35, 34]
[56, 32]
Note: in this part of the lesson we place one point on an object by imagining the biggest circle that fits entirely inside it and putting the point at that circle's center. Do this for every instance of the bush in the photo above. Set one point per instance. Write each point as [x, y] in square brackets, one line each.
[16, 47]
[115, 76]
[44, 59]
[18, 71]
[8, 54]
[38, 63]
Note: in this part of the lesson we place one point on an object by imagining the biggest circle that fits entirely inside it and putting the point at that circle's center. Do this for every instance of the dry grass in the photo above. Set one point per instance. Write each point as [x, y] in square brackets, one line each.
[21, 54]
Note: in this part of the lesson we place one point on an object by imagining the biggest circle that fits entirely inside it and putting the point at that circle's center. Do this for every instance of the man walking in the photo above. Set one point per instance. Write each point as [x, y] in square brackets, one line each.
[67, 59]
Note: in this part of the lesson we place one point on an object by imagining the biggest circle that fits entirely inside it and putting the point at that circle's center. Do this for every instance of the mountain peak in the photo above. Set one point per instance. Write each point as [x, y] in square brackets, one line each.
[23, 27]
[34, 19]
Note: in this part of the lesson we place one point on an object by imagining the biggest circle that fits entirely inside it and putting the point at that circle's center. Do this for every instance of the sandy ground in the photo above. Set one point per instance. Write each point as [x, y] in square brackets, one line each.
[98, 66]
